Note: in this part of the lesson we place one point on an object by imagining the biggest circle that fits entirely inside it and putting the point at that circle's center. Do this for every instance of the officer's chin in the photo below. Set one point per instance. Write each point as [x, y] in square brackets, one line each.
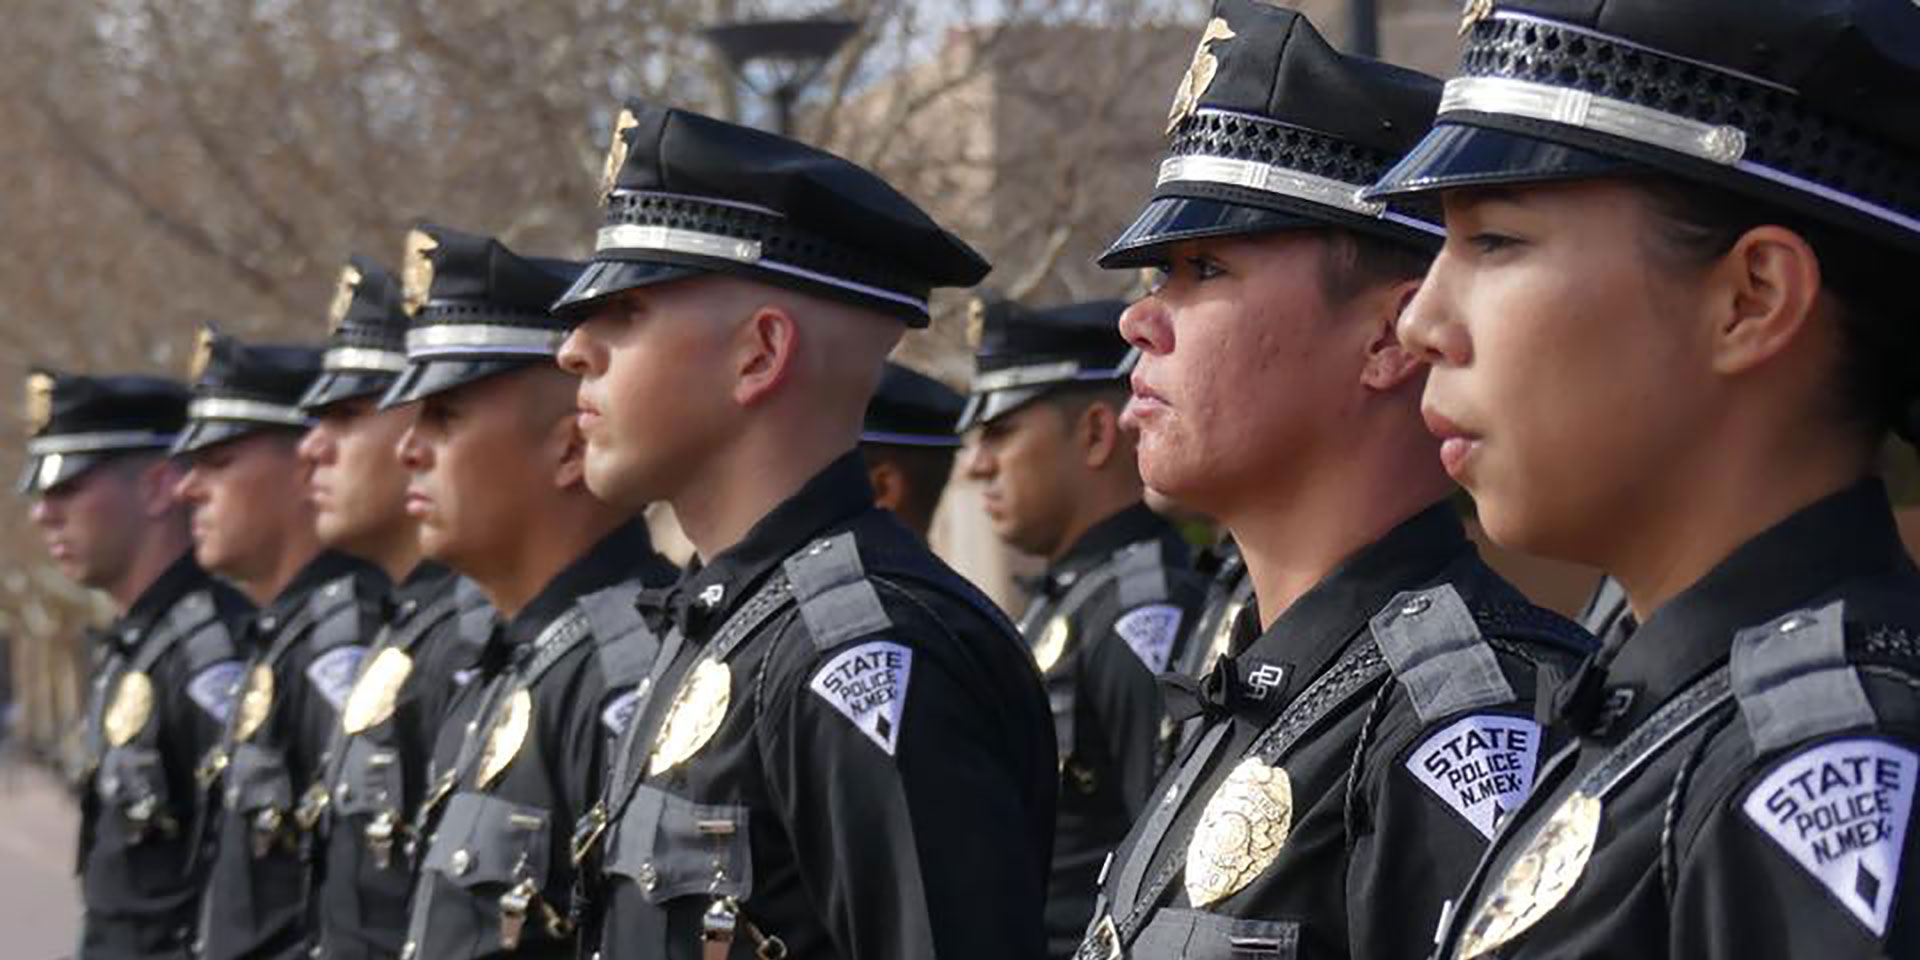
[615, 480]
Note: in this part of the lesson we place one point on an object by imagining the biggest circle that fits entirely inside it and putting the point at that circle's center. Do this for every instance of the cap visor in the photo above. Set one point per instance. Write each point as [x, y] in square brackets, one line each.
[994, 404]
[336, 386]
[604, 278]
[1455, 155]
[201, 434]
[424, 378]
[1170, 220]
[43, 473]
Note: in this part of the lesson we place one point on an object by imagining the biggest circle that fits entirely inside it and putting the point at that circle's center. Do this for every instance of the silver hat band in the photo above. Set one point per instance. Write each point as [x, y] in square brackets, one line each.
[255, 411]
[363, 358]
[1268, 178]
[653, 236]
[482, 338]
[1064, 371]
[105, 441]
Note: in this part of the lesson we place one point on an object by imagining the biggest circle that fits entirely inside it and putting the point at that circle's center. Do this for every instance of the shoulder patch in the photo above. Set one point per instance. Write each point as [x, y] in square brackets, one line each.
[214, 688]
[1438, 654]
[868, 685]
[1481, 766]
[837, 601]
[333, 672]
[1840, 810]
[1150, 632]
[619, 710]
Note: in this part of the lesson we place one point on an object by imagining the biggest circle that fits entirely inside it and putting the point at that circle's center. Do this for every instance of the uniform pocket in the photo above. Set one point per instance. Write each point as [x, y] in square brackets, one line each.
[1197, 935]
[132, 785]
[369, 779]
[672, 847]
[485, 841]
[258, 780]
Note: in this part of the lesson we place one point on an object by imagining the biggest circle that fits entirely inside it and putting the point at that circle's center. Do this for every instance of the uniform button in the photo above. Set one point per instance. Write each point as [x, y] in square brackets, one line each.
[649, 877]
[1794, 623]
[341, 793]
[269, 624]
[407, 608]
[1416, 606]
[333, 590]
[408, 949]
[461, 862]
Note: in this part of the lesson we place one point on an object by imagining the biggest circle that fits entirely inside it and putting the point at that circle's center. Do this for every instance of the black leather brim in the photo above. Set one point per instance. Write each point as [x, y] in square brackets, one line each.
[1454, 156]
[1170, 220]
[606, 278]
[424, 378]
[336, 386]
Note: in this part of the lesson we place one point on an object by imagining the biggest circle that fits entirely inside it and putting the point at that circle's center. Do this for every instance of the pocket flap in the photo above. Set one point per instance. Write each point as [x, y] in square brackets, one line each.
[1198, 935]
[369, 779]
[672, 847]
[257, 779]
[487, 840]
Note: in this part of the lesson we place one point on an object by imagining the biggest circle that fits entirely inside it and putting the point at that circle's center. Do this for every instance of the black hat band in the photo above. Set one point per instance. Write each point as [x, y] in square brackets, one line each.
[104, 441]
[251, 411]
[364, 359]
[1595, 82]
[489, 339]
[1044, 374]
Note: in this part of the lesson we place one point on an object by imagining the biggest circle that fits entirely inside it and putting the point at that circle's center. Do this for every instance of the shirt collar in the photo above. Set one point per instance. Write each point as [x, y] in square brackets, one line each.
[1843, 537]
[180, 578]
[1134, 524]
[326, 566]
[615, 558]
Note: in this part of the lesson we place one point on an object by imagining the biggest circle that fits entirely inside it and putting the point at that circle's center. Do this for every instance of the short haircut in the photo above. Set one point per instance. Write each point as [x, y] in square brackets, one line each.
[926, 470]
[1351, 263]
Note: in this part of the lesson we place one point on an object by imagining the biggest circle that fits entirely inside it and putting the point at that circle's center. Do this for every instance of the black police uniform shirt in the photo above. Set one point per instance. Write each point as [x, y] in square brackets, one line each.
[1358, 755]
[846, 749]
[309, 641]
[496, 877]
[377, 765]
[1756, 744]
[140, 874]
[1229, 597]
[1108, 619]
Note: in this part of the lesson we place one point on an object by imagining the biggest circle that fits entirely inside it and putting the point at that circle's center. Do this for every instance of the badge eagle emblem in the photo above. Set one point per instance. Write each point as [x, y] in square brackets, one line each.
[202, 354]
[374, 694]
[39, 403]
[416, 271]
[255, 701]
[1473, 12]
[698, 707]
[976, 322]
[616, 153]
[343, 296]
[1241, 831]
[1200, 73]
[132, 704]
[1538, 879]
[505, 738]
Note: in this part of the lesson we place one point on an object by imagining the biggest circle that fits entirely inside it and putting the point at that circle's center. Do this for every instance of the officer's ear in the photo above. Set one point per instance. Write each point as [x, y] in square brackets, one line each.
[889, 484]
[1098, 433]
[764, 352]
[1762, 294]
[1389, 364]
[154, 486]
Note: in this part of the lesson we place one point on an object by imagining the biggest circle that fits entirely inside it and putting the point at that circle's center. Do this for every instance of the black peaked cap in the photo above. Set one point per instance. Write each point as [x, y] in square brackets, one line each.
[912, 409]
[242, 388]
[76, 422]
[367, 338]
[1022, 353]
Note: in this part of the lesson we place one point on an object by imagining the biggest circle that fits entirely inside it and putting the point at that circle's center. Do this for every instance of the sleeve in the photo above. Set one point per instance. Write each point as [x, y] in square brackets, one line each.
[204, 679]
[1128, 649]
[884, 760]
[586, 745]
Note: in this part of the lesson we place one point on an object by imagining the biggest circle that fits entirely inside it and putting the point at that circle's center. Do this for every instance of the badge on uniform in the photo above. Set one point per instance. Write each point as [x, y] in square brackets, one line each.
[255, 701]
[132, 704]
[868, 685]
[1481, 766]
[1053, 643]
[1538, 879]
[698, 707]
[376, 692]
[1241, 831]
[215, 686]
[332, 673]
[1150, 632]
[1840, 810]
[505, 737]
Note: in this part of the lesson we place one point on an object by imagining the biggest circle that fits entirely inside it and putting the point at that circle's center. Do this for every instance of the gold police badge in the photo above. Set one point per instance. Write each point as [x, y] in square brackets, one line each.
[504, 740]
[1200, 73]
[343, 296]
[1538, 879]
[255, 701]
[1241, 831]
[416, 271]
[132, 704]
[39, 403]
[616, 152]
[202, 354]
[1053, 643]
[698, 707]
[374, 693]
[1473, 12]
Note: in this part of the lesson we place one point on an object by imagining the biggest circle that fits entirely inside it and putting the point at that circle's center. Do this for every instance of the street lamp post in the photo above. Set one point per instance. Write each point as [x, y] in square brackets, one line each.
[796, 50]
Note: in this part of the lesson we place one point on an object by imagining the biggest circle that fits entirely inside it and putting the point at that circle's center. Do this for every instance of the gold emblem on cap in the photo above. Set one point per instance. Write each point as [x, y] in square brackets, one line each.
[202, 354]
[132, 704]
[343, 296]
[39, 403]
[1241, 830]
[1538, 879]
[1473, 12]
[1053, 643]
[976, 322]
[255, 701]
[508, 734]
[698, 707]
[1200, 73]
[416, 271]
[373, 696]
[616, 152]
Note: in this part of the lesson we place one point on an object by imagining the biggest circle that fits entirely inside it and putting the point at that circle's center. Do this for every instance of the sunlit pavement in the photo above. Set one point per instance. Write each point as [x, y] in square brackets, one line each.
[39, 903]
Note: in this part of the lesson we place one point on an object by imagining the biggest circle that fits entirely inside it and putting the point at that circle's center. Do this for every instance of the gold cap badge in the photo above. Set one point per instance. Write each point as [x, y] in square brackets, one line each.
[1473, 12]
[343, 296]
[202, 354]
[416, 271]
[39, 403]
[1200, 73]
[976, 322]
[616, 152]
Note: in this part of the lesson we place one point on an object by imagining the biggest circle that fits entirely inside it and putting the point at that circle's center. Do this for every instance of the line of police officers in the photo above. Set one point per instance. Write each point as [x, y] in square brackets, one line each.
[399, 674]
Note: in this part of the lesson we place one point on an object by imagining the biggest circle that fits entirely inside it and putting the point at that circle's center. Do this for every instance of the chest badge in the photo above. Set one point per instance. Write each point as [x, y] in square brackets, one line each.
[255, 701]
[1053, 643]
[1241, 830]
[132, 704]
[1538, 879]
[698, 707]
[375, 693]
[505, 738]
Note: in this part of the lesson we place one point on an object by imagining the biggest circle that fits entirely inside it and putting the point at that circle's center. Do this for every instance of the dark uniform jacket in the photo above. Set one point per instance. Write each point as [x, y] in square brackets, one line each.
[846, 749]
[158, 702]
[521, 756]
[1108, 619]
[1229, 608]
[1356, 758]
[304, 650]
[1743, 779]
[377, 764]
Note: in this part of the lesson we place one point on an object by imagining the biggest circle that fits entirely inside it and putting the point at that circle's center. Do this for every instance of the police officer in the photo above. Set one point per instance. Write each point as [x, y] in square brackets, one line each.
[496, 460]
[1060, 480]
[1359, 749]
[102, 489]
[375, 764]
[254, 525]
[908, 442]
[1670, 333]
[844, 753]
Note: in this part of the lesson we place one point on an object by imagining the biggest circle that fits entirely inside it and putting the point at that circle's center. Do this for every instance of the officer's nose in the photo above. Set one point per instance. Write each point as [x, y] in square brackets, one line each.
[1428, 327]
[979, 461]
[317, 447]
[190, 490]
[411, 451]
[1148, 325]
[582, 354]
